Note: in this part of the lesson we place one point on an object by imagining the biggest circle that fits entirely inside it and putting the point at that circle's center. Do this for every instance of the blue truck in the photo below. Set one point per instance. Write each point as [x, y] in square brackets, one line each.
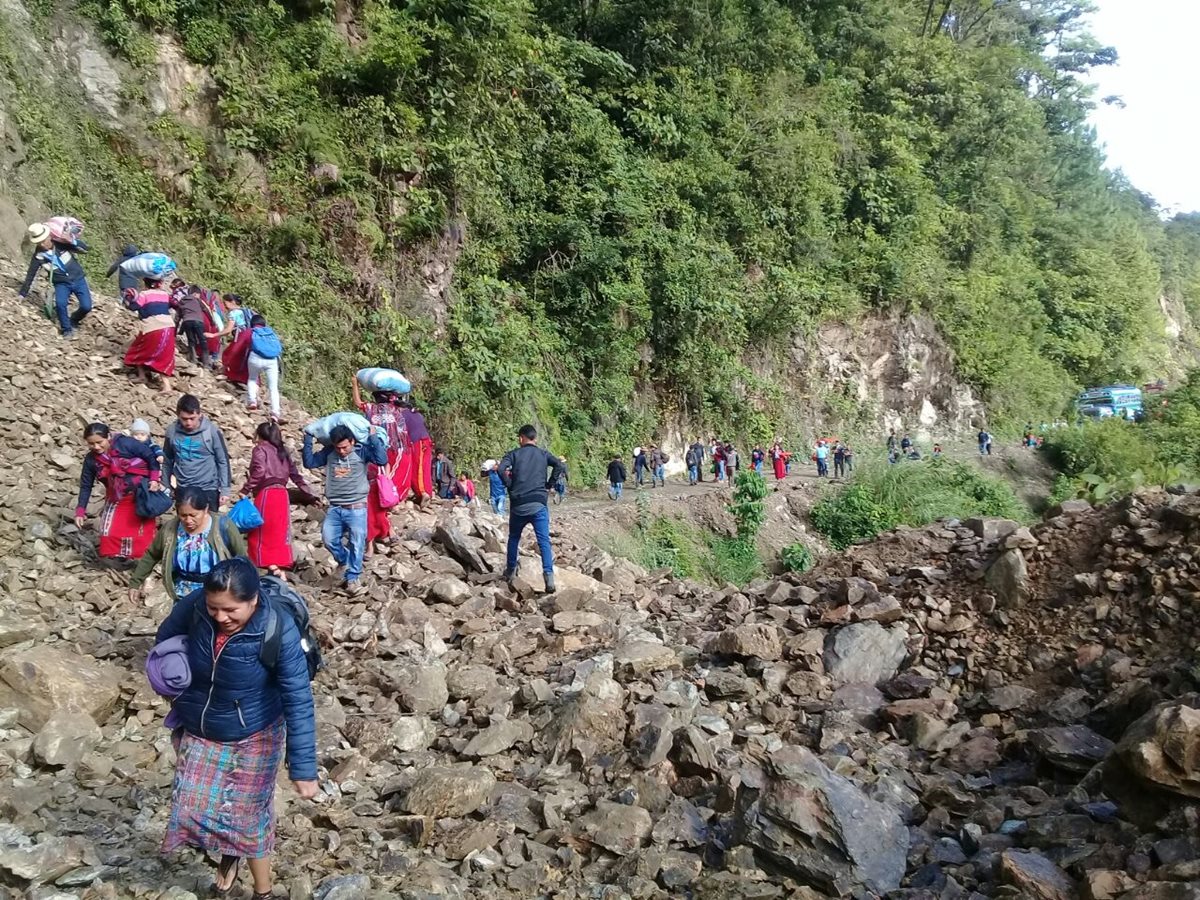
[1119, 400]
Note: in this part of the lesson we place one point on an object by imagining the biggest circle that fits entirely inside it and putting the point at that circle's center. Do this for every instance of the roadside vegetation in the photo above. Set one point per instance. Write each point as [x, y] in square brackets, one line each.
[628, 198]
[1103, 459]
[882, 496]
[692, 552]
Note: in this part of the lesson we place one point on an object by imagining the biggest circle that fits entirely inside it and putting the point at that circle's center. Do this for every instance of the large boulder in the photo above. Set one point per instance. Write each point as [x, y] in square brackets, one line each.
[1073, 747]
[65, 738]
[865, 652]
[445, 791]
[1163, 748]
[419, 686]
[820, 828]
[757, 640]
[618, 828]
[990, 529]
[46, 861]
[592, 720]
[461, 549]
[1035, 876]
[42, 680]
[1008, 578]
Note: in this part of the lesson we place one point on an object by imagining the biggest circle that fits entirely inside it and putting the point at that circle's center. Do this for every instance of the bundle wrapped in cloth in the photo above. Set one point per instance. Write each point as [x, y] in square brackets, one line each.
[356, 422]
[149, 265]
[377, 379]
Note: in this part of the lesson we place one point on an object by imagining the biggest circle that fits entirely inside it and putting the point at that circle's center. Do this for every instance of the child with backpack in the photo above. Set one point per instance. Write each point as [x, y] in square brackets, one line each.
[266, 353]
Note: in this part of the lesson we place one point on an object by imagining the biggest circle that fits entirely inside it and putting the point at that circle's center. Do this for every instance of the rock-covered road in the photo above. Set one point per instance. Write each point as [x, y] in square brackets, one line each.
[967, 710]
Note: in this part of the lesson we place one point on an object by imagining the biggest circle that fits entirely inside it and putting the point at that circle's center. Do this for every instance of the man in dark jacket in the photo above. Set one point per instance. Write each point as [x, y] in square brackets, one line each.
[639, 466]
[524, 473]
[125, 281]
[66, 276]
[195, 453]
[443, 475]
[698, 449]
[616, 478]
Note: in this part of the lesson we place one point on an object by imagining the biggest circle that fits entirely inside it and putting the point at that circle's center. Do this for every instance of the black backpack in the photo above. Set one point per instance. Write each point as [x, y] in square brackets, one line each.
[281, 597]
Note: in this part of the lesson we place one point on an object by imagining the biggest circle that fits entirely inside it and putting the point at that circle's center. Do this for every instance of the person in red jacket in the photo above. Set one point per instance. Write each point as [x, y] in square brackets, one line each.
[271, 468]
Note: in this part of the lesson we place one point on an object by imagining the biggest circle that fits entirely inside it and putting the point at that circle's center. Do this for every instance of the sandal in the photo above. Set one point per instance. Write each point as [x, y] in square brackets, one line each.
[224, 868]
[263, 895]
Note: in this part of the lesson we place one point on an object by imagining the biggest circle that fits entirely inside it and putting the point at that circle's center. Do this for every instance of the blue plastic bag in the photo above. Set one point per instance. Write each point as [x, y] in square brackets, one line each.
[245, 515]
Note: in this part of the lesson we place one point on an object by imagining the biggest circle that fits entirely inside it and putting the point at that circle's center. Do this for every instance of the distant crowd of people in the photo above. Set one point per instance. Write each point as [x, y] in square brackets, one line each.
[722, 462]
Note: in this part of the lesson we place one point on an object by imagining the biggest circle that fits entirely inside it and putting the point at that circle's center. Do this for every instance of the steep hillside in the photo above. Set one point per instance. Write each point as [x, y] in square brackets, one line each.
[618, 218]
[969, 709]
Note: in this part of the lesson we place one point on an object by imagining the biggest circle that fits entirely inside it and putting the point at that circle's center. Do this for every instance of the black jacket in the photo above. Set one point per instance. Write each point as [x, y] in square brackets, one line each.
[125, 281]
[524, 474]
[64, 266]
[616, 472]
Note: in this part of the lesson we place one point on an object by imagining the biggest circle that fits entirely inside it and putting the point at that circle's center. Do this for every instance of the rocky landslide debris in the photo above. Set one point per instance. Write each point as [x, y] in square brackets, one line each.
[966, 710]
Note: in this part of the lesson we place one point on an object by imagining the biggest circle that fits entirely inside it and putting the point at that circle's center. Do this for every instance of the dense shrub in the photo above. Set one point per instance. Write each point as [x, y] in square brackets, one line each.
[883, 496]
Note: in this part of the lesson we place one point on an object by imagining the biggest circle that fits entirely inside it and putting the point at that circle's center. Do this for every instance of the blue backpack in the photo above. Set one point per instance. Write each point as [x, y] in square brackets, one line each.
[264, 342]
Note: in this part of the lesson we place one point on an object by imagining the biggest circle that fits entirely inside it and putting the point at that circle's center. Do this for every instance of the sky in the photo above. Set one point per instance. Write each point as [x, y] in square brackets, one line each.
[1154, 140]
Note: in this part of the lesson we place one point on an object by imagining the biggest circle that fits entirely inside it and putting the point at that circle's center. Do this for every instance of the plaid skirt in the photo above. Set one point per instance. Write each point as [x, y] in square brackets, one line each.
[223, 800]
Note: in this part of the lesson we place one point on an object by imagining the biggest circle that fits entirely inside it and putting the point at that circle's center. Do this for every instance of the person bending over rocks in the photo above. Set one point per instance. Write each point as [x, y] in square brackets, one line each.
[120, 463]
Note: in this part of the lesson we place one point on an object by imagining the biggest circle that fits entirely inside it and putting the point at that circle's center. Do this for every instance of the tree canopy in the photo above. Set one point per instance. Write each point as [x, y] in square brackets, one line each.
[635, 192]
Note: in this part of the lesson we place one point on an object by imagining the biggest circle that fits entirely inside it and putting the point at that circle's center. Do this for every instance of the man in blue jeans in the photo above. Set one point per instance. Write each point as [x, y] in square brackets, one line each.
[616, 477]
[66, 275]
[524, 472]
[344, 530]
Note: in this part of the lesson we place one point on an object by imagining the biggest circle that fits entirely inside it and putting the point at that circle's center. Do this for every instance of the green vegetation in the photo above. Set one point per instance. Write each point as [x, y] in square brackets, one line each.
[797, 558]
[1110, 457]
[689, 552]
[628, 196]
[883, 496]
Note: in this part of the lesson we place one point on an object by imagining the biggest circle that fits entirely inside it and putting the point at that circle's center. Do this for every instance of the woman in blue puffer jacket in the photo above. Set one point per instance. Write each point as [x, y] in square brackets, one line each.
[233, 717]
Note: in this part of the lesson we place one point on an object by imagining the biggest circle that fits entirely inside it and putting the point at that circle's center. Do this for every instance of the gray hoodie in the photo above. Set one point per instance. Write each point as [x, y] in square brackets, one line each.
[196, 458]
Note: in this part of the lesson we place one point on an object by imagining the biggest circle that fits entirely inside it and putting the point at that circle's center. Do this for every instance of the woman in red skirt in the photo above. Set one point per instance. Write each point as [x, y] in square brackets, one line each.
[271, 467]
[153, 350]
[120, 463]
[420, 480]
[386, 415]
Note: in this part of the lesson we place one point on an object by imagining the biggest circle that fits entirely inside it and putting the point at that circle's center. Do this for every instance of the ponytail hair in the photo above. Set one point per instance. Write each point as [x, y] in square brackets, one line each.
[269, 432]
